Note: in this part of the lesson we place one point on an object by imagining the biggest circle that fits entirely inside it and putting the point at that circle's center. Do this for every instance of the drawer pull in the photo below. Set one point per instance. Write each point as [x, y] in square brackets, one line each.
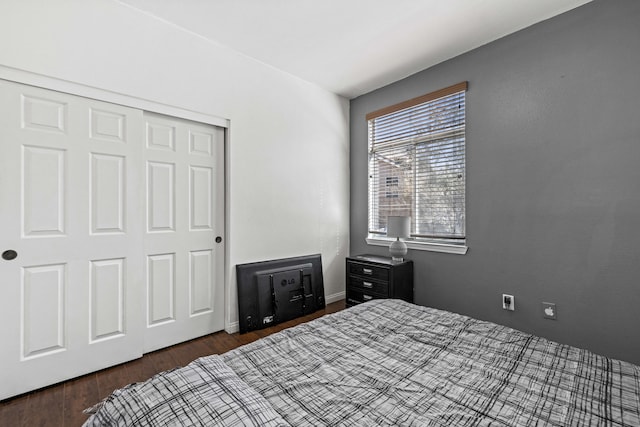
[367, 271]
[367, 297]
[368, 285]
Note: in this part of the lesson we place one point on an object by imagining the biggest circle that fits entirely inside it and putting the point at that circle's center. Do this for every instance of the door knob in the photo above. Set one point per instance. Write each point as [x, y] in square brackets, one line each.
[9, 255]
[218, 239]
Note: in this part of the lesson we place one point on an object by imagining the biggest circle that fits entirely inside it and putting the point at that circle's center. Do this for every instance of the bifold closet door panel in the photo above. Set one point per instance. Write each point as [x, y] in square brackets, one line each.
[70, 298]
[184, 230]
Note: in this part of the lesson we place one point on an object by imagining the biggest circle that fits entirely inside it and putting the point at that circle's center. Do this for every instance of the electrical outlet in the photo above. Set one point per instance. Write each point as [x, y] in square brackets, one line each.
[508, 302]
[549, 311]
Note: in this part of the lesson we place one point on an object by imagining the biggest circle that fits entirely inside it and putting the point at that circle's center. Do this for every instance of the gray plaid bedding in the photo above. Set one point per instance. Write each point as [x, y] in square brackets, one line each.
[204, 393]
[391, 363]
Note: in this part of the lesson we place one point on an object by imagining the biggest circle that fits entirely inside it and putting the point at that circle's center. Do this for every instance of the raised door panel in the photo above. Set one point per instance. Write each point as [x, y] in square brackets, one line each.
[161, 290]
[108, 125]
[160, 136]
[107, 306]
[161, 202]
[200, 279]
[201, 196]
[108, 186]
[43, 191]
[44, 114]
[43, 310]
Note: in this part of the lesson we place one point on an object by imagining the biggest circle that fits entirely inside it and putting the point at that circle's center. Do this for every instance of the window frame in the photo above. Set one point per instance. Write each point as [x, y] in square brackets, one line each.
[435, 244]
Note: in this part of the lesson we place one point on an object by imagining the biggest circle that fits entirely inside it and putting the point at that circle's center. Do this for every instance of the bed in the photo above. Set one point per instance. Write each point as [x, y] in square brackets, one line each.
[387, 363]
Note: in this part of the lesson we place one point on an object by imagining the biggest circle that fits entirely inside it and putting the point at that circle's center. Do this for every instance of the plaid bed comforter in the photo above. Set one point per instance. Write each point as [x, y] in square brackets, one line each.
[204, 393]
[391, 363]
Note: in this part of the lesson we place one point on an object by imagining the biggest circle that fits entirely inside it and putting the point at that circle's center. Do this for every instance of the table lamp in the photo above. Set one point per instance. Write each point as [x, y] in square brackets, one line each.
[398, 227]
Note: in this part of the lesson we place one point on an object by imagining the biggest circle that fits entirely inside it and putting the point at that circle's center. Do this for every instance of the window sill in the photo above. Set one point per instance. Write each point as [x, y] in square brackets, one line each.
[433, 246]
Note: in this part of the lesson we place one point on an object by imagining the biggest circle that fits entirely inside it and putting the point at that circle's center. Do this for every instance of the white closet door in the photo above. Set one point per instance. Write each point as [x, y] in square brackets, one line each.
[70, 302]
[184, 264]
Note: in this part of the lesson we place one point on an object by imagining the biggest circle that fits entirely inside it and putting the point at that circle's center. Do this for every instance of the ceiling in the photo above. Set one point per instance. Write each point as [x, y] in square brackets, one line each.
[351, 47]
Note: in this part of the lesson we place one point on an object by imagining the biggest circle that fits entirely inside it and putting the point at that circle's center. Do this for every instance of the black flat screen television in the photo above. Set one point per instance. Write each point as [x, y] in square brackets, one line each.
[271, 292]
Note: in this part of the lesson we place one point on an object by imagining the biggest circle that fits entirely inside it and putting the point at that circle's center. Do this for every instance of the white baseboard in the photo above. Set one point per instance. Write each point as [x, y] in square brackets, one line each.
[335, 297]
[232, 327]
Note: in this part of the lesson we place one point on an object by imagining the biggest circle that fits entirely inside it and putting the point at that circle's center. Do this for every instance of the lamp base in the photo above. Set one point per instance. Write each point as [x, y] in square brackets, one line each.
[398, 250]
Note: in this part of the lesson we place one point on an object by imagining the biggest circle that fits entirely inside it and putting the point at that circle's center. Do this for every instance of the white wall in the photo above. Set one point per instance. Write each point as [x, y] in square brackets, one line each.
[288, 164]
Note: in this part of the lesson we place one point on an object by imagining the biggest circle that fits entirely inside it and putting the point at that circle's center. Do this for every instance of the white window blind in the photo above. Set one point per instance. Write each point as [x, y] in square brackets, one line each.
[417, 165]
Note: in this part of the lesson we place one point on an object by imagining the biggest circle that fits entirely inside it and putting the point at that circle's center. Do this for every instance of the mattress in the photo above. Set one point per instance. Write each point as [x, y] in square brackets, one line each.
[388, 363]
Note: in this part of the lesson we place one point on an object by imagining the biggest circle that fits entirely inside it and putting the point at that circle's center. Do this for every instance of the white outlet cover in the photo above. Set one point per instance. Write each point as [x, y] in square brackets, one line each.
[512, 305]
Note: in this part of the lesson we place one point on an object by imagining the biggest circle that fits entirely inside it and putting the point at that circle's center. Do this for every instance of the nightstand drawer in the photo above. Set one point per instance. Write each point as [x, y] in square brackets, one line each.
[355, 296]
[368, 270]
[369, 285]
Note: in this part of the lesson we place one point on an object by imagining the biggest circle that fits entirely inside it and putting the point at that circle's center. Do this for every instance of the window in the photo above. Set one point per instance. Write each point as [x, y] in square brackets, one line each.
[417, 166]
[392, 185]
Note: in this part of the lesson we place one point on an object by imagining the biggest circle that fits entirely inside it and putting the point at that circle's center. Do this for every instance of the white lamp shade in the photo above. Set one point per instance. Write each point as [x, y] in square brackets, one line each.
[398, 226]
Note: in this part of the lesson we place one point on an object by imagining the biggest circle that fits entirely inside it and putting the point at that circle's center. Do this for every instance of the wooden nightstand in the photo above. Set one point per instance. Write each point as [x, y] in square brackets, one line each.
[372, 276]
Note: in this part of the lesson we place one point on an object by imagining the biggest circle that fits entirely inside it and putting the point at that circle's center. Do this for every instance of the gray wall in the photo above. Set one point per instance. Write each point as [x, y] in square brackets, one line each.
[553, 179]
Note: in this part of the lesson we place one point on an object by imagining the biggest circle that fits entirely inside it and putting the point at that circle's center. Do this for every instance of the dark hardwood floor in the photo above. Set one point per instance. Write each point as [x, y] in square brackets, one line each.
[61, 405]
